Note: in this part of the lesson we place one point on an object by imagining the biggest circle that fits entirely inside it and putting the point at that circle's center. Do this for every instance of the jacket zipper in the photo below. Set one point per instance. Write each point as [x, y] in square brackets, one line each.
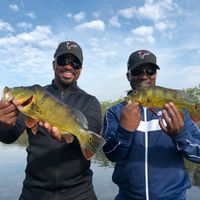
[62, 95]
[146, 155]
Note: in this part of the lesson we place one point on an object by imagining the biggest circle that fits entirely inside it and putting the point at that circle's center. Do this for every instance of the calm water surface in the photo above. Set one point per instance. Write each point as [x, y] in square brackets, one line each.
[12, 165]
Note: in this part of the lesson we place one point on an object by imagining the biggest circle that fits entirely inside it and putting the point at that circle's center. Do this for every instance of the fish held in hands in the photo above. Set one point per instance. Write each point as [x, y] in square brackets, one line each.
[39, 105]
[156, 97]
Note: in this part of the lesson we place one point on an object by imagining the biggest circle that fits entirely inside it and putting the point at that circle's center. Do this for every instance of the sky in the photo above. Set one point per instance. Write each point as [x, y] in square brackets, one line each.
[108, 32]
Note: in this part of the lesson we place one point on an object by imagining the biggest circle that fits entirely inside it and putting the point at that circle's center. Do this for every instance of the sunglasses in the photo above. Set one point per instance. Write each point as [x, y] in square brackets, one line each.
[148, 71]
[61, 61]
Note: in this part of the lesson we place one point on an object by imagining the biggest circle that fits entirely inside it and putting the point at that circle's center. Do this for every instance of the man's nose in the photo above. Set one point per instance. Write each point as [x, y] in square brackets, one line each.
[143, 74]
[68, 66]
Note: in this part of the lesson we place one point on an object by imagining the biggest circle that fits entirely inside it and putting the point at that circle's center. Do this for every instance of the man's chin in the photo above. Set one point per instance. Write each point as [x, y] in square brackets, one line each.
[144, 84]
[67, 82]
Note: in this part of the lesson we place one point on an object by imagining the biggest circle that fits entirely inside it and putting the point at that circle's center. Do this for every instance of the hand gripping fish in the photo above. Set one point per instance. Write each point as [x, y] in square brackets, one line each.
[38, 105]
[156, 97]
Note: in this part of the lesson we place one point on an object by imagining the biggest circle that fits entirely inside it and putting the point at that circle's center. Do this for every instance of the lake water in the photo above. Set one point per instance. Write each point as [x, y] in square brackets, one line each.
[12, 166]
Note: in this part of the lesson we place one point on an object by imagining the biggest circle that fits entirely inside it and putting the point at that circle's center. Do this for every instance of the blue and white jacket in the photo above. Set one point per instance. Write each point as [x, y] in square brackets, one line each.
[149, 163]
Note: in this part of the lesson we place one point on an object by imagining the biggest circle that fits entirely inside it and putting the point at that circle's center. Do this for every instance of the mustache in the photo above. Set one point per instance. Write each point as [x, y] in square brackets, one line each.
[73, 71]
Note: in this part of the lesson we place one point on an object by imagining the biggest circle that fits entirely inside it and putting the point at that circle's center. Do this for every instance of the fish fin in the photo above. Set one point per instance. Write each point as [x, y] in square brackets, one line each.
[184, 95]
[181, 112]
[34, 128]
[152, 107]
[67, 137]
[129, 101]
[101, 132]
[80, 118]
[195, 119]
[198, 124]
[31, 123]
[94, 144]
[88, 154]
[153, 110]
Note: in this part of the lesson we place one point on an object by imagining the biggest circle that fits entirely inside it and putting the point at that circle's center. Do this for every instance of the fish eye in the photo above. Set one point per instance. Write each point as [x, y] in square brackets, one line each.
[196, 107]
[90, 139]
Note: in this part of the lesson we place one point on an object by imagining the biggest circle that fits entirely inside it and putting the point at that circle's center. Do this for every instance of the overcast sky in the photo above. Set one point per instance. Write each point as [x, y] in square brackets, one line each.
[108, 31]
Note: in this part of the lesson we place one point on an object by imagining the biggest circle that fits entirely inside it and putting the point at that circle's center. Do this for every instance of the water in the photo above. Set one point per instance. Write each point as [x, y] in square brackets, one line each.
[12, 165]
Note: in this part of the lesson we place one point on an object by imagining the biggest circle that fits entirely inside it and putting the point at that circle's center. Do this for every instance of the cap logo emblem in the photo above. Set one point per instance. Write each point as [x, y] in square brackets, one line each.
[142, 54]
[71, 44]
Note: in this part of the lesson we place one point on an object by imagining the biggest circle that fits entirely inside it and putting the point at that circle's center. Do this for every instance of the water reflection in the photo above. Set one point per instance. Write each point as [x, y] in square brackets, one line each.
[13, 161]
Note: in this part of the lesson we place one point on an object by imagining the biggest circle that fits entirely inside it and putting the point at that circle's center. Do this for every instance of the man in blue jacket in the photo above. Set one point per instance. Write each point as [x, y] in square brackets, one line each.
[149, 149]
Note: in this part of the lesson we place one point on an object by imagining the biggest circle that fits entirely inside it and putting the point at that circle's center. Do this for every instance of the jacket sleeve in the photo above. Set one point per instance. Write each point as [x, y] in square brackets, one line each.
[14, 132]
[118, 140]
[94, 115]
[188, 141]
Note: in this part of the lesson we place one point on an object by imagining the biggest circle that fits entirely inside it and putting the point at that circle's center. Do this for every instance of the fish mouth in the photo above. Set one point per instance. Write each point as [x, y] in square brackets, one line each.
[19, 102]
[7, 96]
[27, 102]
[22, 103]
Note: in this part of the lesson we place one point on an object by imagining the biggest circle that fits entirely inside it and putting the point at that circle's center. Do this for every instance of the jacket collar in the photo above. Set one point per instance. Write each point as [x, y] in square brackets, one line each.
[72, 87]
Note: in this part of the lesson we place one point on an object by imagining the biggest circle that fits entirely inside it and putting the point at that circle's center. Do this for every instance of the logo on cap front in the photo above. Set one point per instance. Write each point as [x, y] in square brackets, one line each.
[142, 54]
[71, 44]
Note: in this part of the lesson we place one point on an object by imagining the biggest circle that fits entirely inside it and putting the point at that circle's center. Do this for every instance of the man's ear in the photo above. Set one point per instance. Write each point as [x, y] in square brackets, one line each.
[128, 76]
[54, 64]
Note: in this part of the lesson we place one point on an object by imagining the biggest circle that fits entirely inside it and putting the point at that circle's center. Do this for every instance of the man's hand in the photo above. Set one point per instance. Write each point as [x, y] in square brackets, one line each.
[8, 115]
[172, 118]
[130, 116]
[53, 131]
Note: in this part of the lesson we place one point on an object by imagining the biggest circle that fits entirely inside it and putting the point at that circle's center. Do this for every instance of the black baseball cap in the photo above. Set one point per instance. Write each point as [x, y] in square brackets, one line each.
[141, 57]
[70, 47]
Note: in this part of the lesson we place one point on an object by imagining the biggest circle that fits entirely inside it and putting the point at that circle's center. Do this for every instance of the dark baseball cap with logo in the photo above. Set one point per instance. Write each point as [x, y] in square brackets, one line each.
[69, 47]
[141, 58]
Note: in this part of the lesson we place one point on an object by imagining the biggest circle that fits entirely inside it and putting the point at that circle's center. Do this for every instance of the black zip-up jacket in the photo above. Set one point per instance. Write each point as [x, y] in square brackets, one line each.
[57, 170]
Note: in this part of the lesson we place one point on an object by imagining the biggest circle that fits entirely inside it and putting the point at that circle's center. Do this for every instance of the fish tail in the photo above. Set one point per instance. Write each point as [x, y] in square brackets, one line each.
[90, 148]
[196, 119]
[198, 124]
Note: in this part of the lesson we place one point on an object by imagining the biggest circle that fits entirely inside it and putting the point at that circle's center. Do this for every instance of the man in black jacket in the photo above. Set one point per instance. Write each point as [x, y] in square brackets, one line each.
[56, 169]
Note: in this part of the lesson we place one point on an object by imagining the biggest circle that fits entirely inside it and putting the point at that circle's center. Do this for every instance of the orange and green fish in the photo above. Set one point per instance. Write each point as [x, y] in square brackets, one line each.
[156, 97]
[38, 105]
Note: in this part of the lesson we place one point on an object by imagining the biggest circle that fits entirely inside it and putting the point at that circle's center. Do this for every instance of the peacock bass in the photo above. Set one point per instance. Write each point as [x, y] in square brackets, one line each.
[156, 97]
[39, 105]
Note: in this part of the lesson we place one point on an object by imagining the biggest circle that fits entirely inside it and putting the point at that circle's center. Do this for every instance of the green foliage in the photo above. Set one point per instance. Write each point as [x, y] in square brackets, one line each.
[101, 160]
[22, 140]
[194, 93]
[107, 104]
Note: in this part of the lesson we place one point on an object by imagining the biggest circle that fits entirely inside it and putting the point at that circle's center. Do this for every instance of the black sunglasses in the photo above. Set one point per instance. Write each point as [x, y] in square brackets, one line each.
[148, 71]
[62, 61]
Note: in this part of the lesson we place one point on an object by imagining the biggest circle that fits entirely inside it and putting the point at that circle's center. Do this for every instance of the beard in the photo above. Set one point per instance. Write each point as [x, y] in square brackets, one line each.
[138, 84]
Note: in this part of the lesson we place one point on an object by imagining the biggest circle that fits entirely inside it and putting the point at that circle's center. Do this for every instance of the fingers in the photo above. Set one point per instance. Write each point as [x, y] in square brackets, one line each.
[47, 127]
[8, 113]
[167, 117]
[130, 116]
[129, 102]
[56, 134]
[7, 107]
[53, 131]
[172, 118]
[131, 106]
[4, 104]
[163, 125]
